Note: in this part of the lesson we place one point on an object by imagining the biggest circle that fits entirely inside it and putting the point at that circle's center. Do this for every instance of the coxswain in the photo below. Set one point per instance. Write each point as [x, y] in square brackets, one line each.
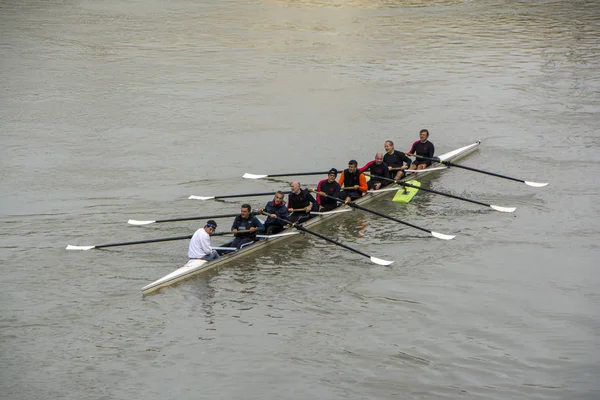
[422, 147]
[200, 248]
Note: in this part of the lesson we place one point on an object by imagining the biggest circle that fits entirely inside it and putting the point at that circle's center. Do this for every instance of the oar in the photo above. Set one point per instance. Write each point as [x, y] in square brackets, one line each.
[416, 171]
[234, 195]
[255, 176]
[434, 234]
[451, 164]
[136, 222]
[100, 246]
[375, 260]
[492, 206]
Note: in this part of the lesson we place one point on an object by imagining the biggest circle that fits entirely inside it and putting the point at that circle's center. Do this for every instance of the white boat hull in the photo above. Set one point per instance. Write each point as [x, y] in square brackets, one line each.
[195, 267]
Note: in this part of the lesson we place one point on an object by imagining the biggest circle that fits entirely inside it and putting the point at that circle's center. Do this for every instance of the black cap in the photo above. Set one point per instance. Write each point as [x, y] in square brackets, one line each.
[332, 171]
[211, 224]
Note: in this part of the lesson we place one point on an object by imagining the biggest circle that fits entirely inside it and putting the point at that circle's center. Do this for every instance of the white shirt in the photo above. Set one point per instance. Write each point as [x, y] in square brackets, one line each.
[199, 244]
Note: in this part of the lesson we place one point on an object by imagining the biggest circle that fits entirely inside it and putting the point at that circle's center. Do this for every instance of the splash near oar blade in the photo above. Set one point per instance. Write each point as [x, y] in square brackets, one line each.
[406, 194]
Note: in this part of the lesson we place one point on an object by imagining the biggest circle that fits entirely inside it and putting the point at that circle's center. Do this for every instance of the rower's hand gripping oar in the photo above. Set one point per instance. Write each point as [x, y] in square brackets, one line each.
[434, 234]
[451, 164]
[192, 197]
[100, 246]
[375, 260]
[492, 206]
[136, 222]
[255, 176]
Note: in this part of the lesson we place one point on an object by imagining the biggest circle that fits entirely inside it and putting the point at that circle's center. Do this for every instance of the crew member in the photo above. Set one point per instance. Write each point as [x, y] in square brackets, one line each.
[422, 147]
[245, 227]
[277, 214]
[328, 187]
[395, 160]
[300, 203]
[377, 170]
[199, 248]
[353, 182]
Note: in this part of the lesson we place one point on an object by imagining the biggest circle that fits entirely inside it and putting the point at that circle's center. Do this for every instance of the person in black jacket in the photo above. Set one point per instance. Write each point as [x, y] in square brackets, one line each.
[245, 227]
[300, 203]
[277, 213]
[395, 160]
[377, 170]
[328, 187]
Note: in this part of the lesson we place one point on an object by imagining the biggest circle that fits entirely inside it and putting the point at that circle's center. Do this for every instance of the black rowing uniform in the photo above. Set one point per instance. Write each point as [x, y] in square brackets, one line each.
[422, 149]
[331, 189]
[300, 200]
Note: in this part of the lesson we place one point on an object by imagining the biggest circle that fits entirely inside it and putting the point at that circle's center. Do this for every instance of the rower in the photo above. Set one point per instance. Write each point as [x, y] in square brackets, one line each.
[395, 160]
[277, 212]
[199, 248]
[377, 168]
[422, 147]
[300, 203]
[245, 227]
[328, 187]
[353, 182]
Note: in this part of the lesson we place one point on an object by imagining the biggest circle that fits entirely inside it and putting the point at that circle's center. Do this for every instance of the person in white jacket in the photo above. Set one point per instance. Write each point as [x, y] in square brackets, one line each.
[200, 243]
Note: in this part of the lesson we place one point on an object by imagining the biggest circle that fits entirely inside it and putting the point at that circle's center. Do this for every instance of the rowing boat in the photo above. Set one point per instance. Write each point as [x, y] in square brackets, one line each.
[195, 267]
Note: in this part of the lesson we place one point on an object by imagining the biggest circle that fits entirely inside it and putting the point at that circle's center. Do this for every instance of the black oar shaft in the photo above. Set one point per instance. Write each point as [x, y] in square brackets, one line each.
[299, 174]
[378, 213]
[451, 164]
[301, 228]
[388, 217]
[143, 241]
[444, 194]
[249, 195]
[195, 218]
[154, 240]
[434, 191]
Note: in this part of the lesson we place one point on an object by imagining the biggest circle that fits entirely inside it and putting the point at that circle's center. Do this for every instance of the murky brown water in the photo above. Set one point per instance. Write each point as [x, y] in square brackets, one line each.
[117, 110]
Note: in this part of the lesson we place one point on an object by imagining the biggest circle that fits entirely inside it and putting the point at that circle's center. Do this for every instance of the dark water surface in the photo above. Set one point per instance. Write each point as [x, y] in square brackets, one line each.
[114, 110]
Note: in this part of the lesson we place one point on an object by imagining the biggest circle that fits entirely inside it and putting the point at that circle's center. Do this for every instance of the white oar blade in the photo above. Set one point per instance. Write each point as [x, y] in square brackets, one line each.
[135, 222]
[503, 209]
[536, 184]
[442, 235]
[192, 197]
[380, 261]
[252, 176]
[71, 247]
[224, 248]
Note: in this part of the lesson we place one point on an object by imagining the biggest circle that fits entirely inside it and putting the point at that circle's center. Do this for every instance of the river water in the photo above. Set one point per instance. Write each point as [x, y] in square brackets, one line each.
[112, 110]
